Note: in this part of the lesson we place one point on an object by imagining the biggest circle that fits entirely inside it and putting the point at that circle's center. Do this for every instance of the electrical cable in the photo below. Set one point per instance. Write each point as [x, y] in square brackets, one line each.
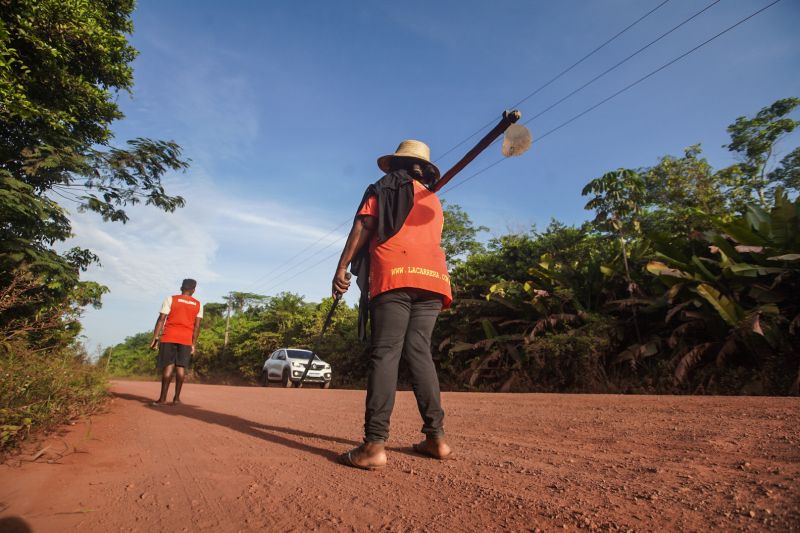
[608, 41]
[584, 112]
[272, 272]
[559, 75]
[614, 95]
[616, 65]
[620, 63]
[284, 280]
[326, 258]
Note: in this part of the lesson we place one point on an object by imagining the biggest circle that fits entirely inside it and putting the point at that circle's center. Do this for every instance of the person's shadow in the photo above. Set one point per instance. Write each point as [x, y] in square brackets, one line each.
[248, 427]
[14, 524]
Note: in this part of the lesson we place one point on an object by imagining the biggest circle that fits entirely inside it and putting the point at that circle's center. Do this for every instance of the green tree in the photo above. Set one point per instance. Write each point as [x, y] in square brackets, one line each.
[459, 234]
[618, 204]
[754, 140]
[683, 192]
[62, 65]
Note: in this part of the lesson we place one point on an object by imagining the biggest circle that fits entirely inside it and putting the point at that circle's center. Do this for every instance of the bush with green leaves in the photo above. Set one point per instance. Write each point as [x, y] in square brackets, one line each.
[41, 390]
[736, 301]
[590, 304]
[256, 327]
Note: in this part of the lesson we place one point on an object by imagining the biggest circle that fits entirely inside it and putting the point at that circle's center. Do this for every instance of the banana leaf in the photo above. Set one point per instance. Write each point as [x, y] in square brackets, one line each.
[752, 271]
[727, 309]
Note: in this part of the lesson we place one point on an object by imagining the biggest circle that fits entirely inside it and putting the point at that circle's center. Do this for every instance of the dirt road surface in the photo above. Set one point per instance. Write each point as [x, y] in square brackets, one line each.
[248, 459]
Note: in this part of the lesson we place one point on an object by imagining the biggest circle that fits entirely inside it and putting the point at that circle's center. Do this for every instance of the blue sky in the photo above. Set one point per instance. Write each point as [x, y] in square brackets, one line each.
[284, 107]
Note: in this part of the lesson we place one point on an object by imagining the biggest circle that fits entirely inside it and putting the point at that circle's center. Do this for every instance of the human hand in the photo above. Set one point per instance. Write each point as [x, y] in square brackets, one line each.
[192, 349]
[341, 282]
[154, 344]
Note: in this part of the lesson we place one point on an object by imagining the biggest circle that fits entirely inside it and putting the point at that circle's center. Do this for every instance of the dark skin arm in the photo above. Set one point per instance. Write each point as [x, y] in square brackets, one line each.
[196, 332]
[162, 318]
[363, 229]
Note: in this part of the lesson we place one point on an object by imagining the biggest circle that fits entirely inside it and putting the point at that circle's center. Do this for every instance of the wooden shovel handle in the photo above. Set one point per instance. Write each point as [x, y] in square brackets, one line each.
[509, 118]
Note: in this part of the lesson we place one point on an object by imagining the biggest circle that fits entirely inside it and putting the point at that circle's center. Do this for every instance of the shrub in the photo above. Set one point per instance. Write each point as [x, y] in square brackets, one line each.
[41, 390]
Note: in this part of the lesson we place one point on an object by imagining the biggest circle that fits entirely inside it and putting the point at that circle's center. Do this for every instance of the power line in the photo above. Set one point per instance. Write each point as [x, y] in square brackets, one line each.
[656, 71]
[607, 71]
[613, 67]
[598, 104]
[620, 63]
[560, 74]
[626, 88]
[608, 41]
[326, 258]
[284, 280]
[272, 272]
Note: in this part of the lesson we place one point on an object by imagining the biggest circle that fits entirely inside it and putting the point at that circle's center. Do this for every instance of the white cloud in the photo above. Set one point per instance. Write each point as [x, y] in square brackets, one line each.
[148, 254]
[144, 260]
[286, 226]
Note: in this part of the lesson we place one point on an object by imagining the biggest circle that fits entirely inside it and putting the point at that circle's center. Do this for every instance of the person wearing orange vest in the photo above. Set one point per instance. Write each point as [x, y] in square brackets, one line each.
[180, 321]
[394, 248]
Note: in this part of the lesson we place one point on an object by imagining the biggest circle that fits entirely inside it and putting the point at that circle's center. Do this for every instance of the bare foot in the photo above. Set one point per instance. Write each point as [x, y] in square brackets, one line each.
[436, 448]
[368, 456]
[158, 403]
[176, 401]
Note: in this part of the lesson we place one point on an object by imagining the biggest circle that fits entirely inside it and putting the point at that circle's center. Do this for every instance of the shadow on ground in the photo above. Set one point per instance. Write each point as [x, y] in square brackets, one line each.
[14, 524]
[256, 429]
[248, 427]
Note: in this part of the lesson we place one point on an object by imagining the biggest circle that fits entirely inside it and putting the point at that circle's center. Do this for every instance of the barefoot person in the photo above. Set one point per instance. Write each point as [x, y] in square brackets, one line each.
[394, 248]
[180, 321]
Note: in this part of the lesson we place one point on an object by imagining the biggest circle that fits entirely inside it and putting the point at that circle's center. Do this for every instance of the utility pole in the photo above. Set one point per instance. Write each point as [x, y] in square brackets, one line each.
[227, 326]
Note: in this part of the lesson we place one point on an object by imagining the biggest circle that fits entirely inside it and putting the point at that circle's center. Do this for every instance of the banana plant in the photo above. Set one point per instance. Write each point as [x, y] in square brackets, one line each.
[741, 296]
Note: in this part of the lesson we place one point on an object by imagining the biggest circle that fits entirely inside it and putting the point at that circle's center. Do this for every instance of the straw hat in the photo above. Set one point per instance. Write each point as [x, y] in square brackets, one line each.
[411, 149]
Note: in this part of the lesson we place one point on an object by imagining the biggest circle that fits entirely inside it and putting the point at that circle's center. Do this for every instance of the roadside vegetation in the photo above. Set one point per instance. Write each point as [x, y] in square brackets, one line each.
[685, 280]
[62, 66]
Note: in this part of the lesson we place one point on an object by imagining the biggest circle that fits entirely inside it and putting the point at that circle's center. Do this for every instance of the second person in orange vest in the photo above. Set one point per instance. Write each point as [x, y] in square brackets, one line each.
[180, 321]
[394, 248]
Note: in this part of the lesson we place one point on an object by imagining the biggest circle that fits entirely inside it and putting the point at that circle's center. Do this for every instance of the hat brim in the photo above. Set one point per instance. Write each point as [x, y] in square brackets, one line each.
[384, 162]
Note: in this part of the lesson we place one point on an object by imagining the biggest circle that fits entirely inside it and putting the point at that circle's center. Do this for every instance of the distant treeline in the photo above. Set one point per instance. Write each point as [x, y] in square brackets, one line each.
[687, 280]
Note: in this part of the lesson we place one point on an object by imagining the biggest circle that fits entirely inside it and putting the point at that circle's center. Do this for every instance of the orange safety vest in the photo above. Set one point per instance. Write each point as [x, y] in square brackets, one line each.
[181, 313]
[413, 257]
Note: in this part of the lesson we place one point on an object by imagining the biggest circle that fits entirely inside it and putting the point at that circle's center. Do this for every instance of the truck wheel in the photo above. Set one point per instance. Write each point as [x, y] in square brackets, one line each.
[287, 381]
[264, 379]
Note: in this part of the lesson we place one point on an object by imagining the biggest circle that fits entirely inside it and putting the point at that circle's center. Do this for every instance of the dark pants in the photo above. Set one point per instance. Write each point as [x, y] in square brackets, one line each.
[172, 353]
[402, 324]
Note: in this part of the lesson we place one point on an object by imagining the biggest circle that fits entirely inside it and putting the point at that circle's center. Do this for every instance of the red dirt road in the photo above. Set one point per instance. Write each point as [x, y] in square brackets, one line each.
[247, 459]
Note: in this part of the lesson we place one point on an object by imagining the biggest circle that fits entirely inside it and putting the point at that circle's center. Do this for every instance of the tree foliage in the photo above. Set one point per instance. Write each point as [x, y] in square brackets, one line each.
[685, 280]
[459, 234]
[256, 330]
[62, 66]
[680, 282]
[755, 141]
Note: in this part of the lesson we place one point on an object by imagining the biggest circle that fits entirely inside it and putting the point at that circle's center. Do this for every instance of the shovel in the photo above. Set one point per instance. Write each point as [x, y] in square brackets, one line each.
[516, 142]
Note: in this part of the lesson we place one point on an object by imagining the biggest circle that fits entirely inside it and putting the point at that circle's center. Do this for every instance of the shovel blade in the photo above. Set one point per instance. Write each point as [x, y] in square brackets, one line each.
[516, 140]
